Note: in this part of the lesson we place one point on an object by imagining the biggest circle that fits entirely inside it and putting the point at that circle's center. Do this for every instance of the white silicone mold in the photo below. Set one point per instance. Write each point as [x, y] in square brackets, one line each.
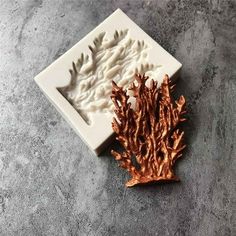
[114, 50]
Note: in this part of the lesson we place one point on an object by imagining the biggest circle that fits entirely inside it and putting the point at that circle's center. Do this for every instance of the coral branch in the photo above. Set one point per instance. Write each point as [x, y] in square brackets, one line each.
[149, 131]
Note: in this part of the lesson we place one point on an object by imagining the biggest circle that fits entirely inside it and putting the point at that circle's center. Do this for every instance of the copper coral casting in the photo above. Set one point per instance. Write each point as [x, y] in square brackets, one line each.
[148, 133]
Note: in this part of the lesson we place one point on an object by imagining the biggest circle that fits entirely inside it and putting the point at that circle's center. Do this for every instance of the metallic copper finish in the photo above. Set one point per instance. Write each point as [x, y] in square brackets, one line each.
[148, 133]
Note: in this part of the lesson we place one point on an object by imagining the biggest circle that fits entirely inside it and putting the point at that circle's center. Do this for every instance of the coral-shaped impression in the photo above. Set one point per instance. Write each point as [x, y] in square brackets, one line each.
[148, 132]
[115, 58]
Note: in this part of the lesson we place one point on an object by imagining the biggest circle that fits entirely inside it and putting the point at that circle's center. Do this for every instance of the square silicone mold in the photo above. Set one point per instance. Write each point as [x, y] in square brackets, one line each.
[114, 50]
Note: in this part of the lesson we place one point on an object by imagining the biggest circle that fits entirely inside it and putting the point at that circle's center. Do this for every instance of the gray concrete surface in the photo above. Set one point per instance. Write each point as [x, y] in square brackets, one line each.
[51, 184]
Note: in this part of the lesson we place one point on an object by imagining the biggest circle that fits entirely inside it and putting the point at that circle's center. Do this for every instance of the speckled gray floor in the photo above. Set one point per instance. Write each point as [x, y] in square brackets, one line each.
[51, 184]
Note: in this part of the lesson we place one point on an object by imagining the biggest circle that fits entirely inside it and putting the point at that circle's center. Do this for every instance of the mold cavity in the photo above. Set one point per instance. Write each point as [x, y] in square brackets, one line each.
[117, 58]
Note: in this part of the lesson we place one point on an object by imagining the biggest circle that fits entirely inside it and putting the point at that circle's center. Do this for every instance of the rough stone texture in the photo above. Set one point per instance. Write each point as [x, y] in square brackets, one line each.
[51, 184]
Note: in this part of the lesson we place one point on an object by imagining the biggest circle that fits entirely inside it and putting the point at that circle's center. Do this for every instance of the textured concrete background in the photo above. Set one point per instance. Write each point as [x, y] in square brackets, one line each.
[51, 184]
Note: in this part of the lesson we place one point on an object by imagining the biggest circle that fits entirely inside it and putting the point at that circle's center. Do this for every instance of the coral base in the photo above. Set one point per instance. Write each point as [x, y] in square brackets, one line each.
[145, 180]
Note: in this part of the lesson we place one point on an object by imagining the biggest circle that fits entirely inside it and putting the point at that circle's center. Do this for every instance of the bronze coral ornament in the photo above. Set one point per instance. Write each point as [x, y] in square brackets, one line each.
[148, 133]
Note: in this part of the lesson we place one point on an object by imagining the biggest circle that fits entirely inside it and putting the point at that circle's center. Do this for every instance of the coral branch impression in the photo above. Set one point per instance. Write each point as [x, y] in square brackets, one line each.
[148, 133]
[117, 58]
